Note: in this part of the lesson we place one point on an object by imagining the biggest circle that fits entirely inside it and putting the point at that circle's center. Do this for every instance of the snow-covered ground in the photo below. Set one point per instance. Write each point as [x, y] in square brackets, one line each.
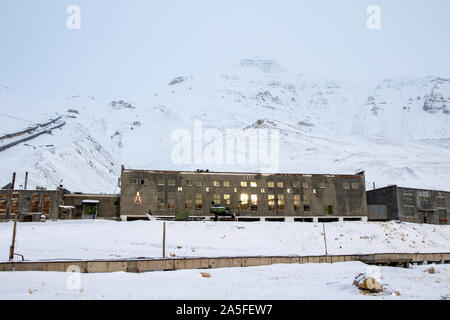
[281, 281]
[102, 239]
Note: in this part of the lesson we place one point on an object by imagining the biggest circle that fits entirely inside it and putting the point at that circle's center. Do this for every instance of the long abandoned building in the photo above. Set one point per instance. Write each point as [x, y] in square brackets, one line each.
[409, 204]
[252, 196]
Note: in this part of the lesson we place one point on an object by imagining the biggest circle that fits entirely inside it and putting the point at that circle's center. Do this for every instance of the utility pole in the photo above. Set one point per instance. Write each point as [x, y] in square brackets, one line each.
[164, 239]
[325, 239]
[26, 181]
[13, 180]
[11, 249]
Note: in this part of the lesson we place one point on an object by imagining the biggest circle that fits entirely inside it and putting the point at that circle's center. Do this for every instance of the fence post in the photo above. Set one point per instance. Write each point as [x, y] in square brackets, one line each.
[11, 249]
[164, 239]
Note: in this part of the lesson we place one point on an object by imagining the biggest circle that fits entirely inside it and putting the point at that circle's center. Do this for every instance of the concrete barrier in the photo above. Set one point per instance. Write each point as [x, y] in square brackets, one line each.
[144, 265]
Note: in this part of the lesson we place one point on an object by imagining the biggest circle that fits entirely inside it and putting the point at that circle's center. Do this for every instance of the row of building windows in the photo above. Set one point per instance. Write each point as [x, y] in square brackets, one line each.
[246, 201]
[409, 211]
[35, 203]
[424, 197]
[244, 184]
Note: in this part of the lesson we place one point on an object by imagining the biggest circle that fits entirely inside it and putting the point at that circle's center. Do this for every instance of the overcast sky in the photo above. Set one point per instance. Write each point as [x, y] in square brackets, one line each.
[123, 47]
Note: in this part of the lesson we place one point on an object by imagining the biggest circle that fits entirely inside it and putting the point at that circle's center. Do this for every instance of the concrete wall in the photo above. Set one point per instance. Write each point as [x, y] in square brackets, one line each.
[384, 196]
[378, 212]
[322, 190]
[108, 207]
[143, 265]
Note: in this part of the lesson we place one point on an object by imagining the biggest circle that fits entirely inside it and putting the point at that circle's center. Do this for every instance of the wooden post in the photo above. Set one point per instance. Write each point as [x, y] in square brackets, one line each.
[11, 249]
[164, 239]
[325, 239]
[13, 180]
[26, 181]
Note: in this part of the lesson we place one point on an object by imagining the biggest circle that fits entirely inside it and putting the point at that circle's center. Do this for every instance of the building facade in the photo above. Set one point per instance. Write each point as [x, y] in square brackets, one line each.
[90, 206]
[252, 196]
[409, 204]
[30, 204]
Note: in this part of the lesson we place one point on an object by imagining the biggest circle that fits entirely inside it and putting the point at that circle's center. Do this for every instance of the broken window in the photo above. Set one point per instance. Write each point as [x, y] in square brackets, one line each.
[189, 183]
[271, 201]
[216, 198]
[424, 196]
[281, 201]
[35, 199]
[15, 202]
[328, 209]
[188, 201]
[306, 204]
[322, 185]
[408, 211]
[160, 201]
[243, 184]
[161, 182]
[296, 202]
[244, 200]
[46, 204]
[171, 200]
[3, 203]
[198, 183]
[143, 182]
[440, 202]
[254, 202]
[198, 201]
[270, 184]
[408, 196]
[135, 180]
[442, 214]
[296, 184]
[227, 199]
[330, 183]
[171, 182]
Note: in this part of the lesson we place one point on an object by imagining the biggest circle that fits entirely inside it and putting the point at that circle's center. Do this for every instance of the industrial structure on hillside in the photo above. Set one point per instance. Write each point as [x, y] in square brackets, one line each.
[248, 196]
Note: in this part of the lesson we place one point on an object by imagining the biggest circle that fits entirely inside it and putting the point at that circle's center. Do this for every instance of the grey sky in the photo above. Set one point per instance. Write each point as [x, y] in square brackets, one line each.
[124, 47]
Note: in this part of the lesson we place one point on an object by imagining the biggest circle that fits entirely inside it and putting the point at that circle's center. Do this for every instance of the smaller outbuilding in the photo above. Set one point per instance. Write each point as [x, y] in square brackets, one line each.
[409, 204]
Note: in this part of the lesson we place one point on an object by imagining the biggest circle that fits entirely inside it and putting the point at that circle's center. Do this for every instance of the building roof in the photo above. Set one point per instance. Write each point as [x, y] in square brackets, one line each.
[241, 173]
[410, 188]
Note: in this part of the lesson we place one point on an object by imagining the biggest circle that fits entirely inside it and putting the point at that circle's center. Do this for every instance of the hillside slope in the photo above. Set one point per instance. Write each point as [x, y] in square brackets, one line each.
[396, 130]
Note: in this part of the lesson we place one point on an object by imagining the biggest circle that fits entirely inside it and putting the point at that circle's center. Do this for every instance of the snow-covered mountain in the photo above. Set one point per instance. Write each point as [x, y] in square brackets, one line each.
[396, 130]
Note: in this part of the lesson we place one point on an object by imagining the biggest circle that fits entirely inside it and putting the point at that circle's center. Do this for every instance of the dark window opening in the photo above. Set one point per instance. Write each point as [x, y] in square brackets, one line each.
[328, 209]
